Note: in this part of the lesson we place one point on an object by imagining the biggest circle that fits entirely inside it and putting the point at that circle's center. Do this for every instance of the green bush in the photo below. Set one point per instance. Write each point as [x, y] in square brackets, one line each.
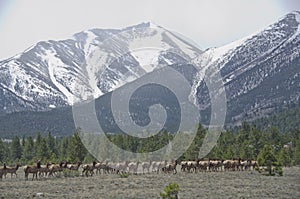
[124, 175]
[170, 191]
[278, 169]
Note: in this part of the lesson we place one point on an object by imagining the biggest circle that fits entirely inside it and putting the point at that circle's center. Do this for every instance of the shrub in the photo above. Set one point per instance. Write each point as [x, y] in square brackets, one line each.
[278, 169]
[170, 191]
[124, 175]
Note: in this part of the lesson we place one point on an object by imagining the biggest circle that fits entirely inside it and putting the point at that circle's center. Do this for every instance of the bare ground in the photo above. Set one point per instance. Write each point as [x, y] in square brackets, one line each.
[246, 184]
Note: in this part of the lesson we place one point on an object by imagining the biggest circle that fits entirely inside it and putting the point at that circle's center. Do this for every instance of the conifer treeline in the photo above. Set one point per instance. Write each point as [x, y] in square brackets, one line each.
[246, 143]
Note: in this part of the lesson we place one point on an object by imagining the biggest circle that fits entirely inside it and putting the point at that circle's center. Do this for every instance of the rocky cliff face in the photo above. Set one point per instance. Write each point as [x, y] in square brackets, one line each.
[261, 72]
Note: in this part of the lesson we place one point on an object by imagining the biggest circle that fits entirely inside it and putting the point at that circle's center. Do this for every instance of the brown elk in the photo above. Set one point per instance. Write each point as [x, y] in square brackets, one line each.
[44, 170]
[2, 171]
[74, 167]
[89, 168]
[170, 167]
[56, 168]
[103, 166]
[32, 169]
[11, 170]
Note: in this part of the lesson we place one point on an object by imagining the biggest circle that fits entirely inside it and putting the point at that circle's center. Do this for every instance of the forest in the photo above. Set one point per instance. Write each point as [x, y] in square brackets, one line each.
[247, 142]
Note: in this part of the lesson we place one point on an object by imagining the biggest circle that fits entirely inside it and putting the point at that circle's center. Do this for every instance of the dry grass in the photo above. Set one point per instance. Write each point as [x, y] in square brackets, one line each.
[202, 185]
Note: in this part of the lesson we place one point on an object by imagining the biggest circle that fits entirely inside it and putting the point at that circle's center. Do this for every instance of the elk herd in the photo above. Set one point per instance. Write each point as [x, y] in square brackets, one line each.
[218, 165]
[131, 167]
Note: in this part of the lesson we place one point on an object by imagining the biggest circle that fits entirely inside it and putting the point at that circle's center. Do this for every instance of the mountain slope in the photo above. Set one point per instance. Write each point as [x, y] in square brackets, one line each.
[261, 72]
[58, 73]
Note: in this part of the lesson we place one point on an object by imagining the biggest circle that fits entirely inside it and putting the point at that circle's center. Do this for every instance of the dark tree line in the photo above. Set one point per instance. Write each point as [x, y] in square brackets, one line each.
[247, 142]
[47, 149]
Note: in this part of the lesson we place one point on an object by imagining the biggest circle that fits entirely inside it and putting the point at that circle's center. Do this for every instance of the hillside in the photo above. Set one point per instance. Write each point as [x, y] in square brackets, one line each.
[260, 74]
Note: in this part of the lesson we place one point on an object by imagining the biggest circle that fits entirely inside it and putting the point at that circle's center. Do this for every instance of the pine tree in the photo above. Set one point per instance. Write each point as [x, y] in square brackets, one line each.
[38, 139]
[267, 158]
[23, 141]
[64, 146]
[2, 151]
[16, 149]
[76, 149]
[256, 142]
[284, 158]
[43, 151]
[51, 144]
[274, 138]
[28, 152]
[296, 154]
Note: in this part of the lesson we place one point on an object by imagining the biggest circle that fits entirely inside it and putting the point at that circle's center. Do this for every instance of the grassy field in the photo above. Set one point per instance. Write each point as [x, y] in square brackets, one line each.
[246, 184]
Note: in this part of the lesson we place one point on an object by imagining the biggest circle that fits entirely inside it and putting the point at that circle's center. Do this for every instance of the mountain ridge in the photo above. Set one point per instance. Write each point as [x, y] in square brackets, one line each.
[58, 73]
[259, 58]
[260, 72]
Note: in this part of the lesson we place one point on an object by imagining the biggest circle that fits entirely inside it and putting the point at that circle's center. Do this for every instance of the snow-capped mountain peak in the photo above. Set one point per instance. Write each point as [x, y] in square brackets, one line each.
[257, 69]
[87, 65]
[260, 72]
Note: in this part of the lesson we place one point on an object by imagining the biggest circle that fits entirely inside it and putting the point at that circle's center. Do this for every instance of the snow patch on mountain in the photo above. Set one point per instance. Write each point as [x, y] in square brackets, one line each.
[297, 17]
[54, 65]
[220, 52]
[147, 58]
[181, 44]
[151, 39]
[90, 37]
[94, 63]
[97, 61]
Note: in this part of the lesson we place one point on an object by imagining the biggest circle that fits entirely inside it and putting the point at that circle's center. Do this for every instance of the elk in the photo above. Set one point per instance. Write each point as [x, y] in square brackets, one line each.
[202, 165]
[245, 165]
[253, 164]
[74, 167]
[121, 167]
[170, 167]
[191, 166]
[101, 165]
[44, 170]
[228, 165]
[133, 166]
[2, 171]
[231, 165]
[56, 168]
[11, 170]
[32, 169]
[215, 165]
[110, 167]
[183, 165]
[89, 168]
[146, 165]
[156, 166]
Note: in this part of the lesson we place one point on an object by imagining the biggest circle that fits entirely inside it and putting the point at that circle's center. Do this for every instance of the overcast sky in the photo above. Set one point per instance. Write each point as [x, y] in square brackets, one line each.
[207, 22]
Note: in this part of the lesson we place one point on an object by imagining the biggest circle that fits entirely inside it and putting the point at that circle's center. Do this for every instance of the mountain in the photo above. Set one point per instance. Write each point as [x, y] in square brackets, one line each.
[260, 74]
[54, 74]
